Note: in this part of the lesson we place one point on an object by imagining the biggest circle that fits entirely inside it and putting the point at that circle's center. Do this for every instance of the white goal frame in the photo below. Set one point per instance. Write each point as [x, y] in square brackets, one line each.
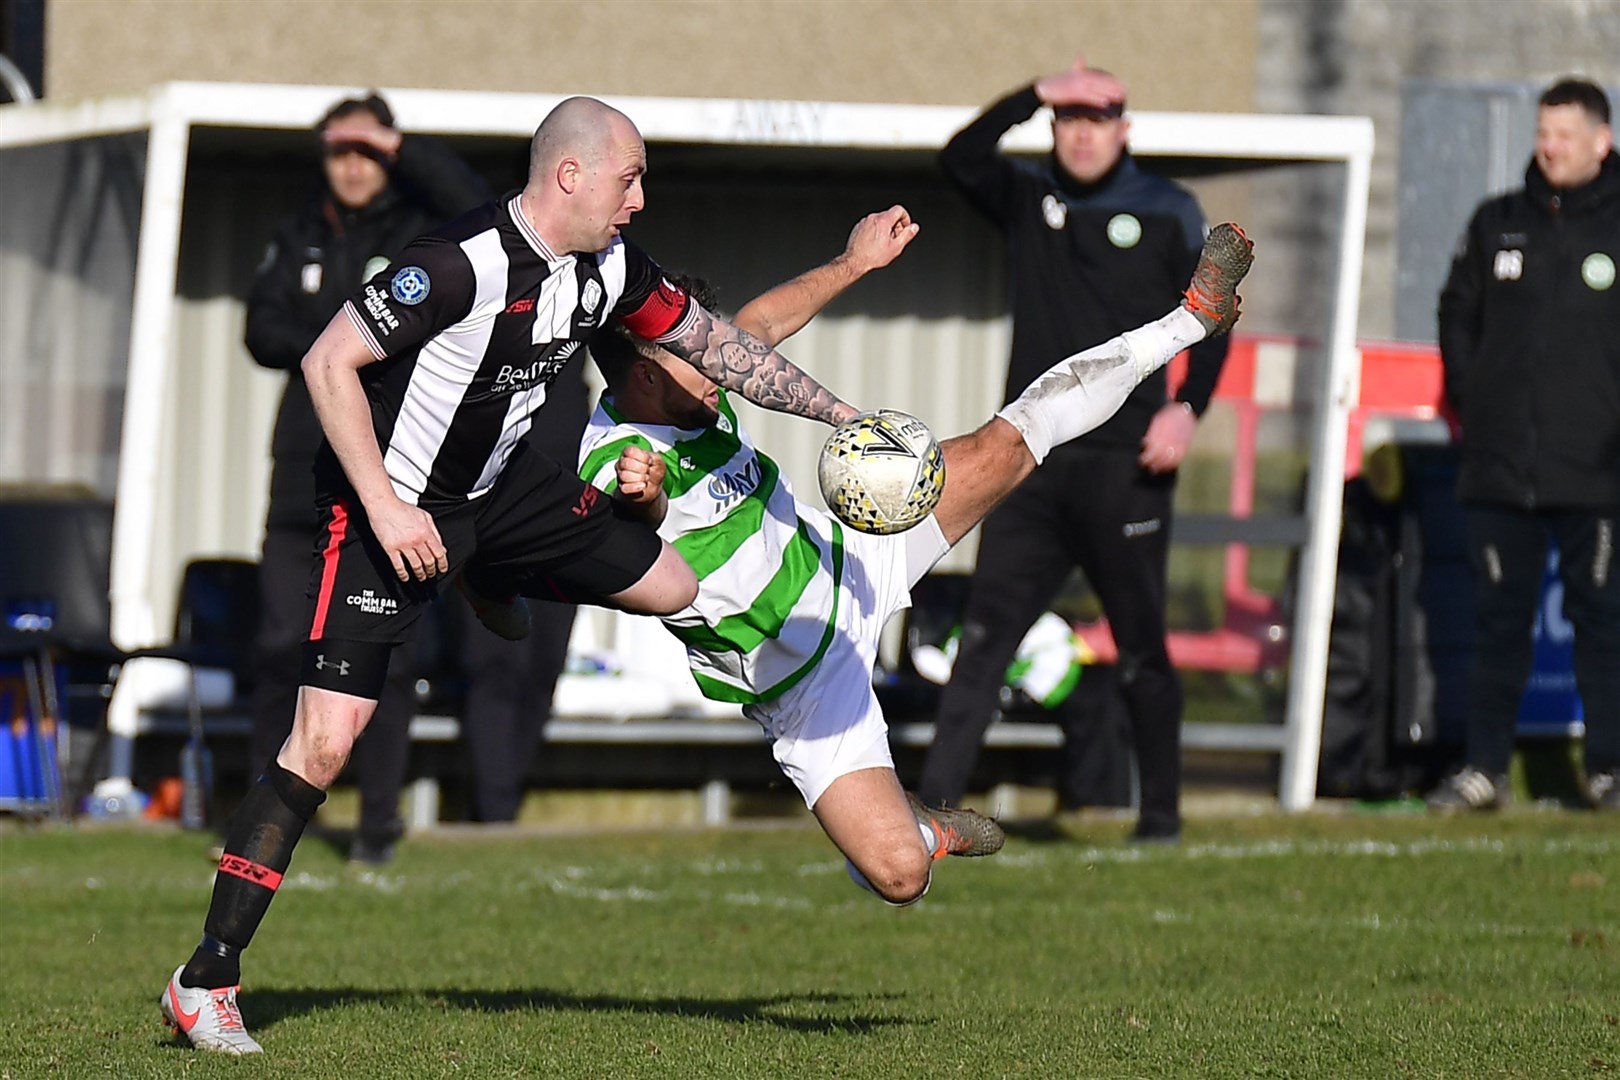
[167, 113]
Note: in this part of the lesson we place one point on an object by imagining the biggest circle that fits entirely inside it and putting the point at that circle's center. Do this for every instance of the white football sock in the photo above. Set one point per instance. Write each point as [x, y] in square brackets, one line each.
[1079, 393]
[930, 837]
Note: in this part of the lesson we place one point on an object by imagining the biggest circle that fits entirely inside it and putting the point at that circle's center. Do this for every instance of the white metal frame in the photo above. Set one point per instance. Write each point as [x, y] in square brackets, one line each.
[169, 112]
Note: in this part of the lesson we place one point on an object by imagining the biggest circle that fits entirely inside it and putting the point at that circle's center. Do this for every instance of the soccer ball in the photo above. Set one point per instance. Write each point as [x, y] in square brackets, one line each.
[882, 472]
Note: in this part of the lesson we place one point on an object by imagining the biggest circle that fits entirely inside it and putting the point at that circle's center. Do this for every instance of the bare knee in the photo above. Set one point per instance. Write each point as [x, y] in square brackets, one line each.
[323, 735]
[901, 878]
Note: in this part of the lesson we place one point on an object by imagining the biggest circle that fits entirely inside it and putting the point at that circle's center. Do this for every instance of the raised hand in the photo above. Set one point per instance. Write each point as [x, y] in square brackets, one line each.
[878, 239]
[1080, 85]
[364, 129]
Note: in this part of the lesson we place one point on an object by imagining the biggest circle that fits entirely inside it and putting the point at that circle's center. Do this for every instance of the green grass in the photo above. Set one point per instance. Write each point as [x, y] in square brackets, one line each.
[1350, 946]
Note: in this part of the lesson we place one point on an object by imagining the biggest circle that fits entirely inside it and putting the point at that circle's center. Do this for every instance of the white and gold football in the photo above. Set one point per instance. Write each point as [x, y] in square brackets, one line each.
[882, 472]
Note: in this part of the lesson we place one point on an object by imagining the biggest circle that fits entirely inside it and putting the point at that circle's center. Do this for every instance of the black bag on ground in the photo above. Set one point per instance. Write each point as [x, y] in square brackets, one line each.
[1357, 736]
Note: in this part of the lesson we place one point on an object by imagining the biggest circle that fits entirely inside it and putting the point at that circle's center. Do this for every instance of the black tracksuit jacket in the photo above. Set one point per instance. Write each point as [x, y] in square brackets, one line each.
[1530, 337]
[317, 257]
[1087, 261]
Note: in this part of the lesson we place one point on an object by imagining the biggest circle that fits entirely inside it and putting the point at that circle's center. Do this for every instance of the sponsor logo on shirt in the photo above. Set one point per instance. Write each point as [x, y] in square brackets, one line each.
[1142, 528]
[376, 305]
[1508, 265]
[514, 377]
[1124, 230]
[727, 488]
[521, 306]
[369, 602]
[410, 285]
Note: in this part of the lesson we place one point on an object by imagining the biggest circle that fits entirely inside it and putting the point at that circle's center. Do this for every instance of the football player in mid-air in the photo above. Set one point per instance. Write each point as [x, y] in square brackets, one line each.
[790, 604]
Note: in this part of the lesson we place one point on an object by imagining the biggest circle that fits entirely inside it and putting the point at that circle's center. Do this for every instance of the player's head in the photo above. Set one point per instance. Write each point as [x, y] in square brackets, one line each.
[651, 385]
[1572, 133]
[356, 168]
[1087, 141]
[586, 163]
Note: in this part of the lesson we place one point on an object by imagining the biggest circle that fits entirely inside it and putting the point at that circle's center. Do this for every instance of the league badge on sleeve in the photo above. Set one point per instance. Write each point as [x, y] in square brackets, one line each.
[410, 286]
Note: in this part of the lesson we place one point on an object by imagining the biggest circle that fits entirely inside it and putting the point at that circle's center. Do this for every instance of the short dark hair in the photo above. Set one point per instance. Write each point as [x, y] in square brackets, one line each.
[372, 103]
[1588, 95]
[616, 349]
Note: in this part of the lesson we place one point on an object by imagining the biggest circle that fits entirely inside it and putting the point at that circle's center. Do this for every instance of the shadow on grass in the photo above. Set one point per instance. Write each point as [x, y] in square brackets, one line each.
[1036, 830]
[1101, 832]
[268, 1007]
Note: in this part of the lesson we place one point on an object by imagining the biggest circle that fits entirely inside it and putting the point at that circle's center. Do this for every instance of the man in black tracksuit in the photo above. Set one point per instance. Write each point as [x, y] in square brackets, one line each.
[1095, 246]
[381, 190]
[1530, 338]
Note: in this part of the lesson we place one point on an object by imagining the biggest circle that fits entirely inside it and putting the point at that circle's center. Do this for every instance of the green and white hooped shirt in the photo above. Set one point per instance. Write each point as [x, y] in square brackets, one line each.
[768, 566]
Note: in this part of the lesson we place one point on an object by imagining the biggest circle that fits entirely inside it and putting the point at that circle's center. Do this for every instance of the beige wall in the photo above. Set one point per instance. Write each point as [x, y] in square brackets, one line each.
[1193, 55]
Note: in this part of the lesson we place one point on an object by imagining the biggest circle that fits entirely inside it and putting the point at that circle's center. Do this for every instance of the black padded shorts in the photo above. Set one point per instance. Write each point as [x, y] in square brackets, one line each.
[539, 522]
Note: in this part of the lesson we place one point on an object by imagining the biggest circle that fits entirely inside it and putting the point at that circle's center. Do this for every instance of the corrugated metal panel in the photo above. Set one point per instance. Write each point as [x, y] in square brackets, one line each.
[68, 219]
[215, 457]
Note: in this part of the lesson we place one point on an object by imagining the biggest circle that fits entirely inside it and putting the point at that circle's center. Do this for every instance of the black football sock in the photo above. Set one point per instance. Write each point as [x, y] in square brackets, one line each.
[258, 849]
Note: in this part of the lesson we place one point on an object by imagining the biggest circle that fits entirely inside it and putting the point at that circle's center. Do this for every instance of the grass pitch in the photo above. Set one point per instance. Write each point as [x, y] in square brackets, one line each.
[1357, 946]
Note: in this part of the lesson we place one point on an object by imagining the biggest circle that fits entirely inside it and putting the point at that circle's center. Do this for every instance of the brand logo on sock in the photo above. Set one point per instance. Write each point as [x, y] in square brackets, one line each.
[248, 870]
[322, 663]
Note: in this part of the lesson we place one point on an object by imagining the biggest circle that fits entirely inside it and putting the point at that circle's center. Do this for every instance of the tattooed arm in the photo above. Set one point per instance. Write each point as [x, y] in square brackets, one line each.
[739, 361]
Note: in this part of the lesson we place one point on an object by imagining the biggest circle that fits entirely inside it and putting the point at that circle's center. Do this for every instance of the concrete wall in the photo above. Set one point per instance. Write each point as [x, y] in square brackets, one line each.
[1349, 57]
[1333, 56]
[913, 51]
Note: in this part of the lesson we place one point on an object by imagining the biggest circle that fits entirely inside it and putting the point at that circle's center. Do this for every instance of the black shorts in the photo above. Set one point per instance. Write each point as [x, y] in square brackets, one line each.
[540, 521]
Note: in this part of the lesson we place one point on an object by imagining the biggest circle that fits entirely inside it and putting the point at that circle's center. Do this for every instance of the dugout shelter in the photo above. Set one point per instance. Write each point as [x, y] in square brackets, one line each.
[130, 226]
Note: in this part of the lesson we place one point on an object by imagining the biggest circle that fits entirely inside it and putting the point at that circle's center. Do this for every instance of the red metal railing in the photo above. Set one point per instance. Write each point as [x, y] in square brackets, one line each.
[1397, 380]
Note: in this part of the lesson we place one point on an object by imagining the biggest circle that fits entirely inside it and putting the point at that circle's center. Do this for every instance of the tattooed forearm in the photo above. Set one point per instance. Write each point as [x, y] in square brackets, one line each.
[739, 361]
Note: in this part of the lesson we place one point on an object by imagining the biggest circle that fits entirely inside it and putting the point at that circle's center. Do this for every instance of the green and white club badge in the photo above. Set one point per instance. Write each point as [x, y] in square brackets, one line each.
[1124, 230]
[1597, 270]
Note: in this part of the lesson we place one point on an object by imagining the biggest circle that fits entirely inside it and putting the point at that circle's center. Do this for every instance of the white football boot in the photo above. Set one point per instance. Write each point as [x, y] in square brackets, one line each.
[208, 1018]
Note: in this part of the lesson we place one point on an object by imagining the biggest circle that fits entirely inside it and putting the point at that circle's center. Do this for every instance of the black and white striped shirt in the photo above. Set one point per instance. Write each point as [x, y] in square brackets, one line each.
[473, 322]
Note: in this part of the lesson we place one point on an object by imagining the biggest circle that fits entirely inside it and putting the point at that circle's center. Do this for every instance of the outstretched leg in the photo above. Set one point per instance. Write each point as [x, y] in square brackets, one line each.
[891, 840]
[1078, 394]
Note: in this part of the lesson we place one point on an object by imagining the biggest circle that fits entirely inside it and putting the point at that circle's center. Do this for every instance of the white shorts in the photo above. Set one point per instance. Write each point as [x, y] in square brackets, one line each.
[830, 724]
